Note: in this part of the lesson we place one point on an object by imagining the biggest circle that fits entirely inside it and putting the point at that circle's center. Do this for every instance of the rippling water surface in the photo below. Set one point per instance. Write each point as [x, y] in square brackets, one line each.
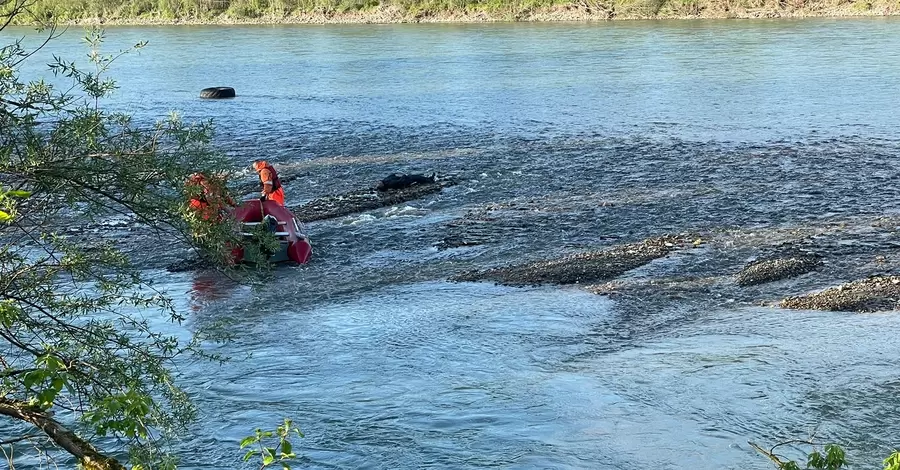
[565, 137]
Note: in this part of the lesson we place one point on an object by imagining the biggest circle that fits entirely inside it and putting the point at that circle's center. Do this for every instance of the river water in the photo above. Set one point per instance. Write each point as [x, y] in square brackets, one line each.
[564, 137]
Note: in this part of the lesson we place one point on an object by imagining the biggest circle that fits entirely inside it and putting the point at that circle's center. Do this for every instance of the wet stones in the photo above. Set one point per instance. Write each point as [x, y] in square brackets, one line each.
[403, 180]
[582, 268]
[361, 200]
[777, 268]
[878, 293]
[188, 264]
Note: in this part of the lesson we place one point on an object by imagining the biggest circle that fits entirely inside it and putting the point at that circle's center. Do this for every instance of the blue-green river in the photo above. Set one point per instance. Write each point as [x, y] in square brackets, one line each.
[568, 137]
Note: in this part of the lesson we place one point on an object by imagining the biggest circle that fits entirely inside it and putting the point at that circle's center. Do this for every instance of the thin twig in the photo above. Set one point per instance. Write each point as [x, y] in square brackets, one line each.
[768, 454]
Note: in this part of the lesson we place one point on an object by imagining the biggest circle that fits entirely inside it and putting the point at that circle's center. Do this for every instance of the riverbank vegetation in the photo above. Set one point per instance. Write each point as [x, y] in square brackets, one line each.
[398, 11]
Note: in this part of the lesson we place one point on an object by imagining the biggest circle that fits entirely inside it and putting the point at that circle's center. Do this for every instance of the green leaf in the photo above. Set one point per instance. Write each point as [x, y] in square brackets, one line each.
[834, 458]
[57, 383]
[247, 441]
[250, 454]
[893, 461]
[9, 313]
[5, 217]
[815, 460]
[34, 377]
[285, 447]
[268, 459]
[19, 194]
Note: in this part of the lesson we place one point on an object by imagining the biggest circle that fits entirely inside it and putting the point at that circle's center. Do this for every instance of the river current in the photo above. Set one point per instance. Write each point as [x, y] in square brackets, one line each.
[564, 138]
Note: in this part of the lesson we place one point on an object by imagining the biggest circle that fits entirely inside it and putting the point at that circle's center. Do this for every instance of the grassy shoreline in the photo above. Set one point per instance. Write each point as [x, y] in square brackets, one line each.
[230, 12]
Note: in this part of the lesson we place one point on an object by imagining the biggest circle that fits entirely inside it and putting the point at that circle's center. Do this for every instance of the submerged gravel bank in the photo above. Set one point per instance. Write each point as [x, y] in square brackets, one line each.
[583, 268]
[777, 268]
[361, 200]
[874, 294]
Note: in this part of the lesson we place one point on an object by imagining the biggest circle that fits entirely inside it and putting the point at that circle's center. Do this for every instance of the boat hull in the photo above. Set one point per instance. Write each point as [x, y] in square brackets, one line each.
[293, 243]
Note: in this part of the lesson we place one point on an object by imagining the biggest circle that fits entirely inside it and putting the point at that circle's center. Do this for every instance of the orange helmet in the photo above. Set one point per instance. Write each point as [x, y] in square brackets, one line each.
[259, 165]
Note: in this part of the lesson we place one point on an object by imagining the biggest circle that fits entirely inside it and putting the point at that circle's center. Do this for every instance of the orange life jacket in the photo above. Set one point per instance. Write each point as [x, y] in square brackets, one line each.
[276, 182]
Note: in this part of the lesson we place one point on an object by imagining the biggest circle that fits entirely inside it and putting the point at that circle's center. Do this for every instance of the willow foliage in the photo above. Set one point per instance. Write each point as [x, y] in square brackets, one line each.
[82, 369]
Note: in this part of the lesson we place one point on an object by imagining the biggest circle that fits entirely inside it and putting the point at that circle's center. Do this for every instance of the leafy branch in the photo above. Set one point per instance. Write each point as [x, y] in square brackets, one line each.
[280, 453]
[74, 332]
[832, 457]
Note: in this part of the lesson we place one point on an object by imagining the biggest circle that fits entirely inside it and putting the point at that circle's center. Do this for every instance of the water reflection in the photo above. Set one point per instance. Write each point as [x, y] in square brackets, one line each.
[208, 287]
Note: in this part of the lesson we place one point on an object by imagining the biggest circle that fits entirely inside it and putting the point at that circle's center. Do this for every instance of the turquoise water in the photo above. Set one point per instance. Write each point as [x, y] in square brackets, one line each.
[599, 133]
[746, 80]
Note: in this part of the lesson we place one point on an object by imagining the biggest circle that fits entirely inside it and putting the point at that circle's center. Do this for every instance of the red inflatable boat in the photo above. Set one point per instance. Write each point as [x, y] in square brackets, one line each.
[294, 245]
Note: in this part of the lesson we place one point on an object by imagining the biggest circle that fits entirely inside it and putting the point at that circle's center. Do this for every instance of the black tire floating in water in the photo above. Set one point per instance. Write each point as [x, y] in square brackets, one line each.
[217, 92]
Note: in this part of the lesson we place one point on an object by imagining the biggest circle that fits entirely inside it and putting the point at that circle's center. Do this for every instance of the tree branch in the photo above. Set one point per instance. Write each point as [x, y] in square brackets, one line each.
[87, 455]
[17, 8]
[768, 454]
[17, 104]
[6, 373]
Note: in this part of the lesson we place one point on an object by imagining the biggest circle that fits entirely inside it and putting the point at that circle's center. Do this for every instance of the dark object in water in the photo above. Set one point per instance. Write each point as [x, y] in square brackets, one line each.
[217, 92]
[402, 180]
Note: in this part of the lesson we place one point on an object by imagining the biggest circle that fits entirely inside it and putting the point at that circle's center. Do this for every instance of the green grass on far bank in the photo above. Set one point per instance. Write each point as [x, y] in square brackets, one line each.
[66, 10]
[387, 11]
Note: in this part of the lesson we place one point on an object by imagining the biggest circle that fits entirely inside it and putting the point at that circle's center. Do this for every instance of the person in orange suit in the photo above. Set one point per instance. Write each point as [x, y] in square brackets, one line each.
[271, 185]
[207, 197]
